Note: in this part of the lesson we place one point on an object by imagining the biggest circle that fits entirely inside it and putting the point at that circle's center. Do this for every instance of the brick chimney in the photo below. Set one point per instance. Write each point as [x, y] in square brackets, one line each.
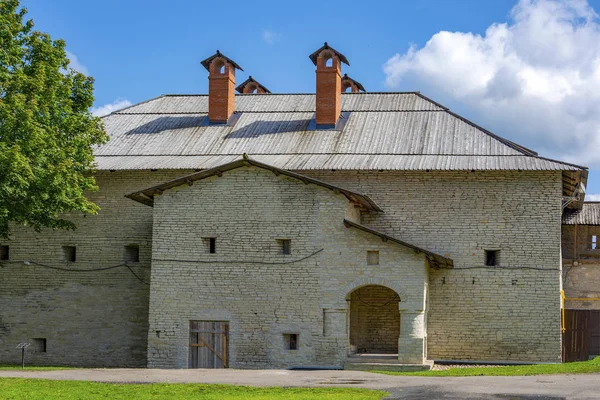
[349, 83]
[329, 85]
[221, 87]
[251, 85]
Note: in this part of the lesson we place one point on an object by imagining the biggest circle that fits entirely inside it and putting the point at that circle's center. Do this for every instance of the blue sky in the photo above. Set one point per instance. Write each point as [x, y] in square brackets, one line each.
[524, 69]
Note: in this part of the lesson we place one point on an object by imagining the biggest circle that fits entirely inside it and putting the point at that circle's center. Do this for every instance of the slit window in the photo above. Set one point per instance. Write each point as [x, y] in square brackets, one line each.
[286, 246]
[4, 253]
[372, 257]
[132, 253]
[39, 345]
[492, 258]
[69, 253]
[594, 242]
[290, 341]
[210, 243]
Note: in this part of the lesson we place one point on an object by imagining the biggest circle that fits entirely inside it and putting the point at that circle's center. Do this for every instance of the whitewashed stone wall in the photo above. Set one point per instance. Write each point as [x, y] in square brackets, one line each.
[261, 293]
[506, 314]
[87, 318]
[100, 319]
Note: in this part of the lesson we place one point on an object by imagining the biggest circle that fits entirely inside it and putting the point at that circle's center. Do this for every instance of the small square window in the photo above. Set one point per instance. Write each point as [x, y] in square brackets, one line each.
[594, 242]
[290, 341]
[492, 258]
[132, 253]
[69, 253]
[372, 257]
[210, 243]
[4, 253]
[286, 246]
[39, 345]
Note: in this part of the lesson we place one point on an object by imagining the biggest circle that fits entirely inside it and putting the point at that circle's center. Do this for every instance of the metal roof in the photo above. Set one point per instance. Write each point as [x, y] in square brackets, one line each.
[385, 131]
[355, 162]
[436, 259]
[588, 215]
[146, 196]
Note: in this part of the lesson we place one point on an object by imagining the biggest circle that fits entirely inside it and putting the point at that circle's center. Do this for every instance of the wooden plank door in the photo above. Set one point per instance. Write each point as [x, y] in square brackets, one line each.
[577, 335]
[208, 344]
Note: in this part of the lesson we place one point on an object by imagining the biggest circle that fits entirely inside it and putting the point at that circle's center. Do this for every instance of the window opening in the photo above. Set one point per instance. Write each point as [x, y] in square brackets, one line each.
[39, 345]
[594, 242]
[372, 257]
[69, 253]
[286, 246]
[132, 253]
[4, 253]
[290, 341]
[492, 257]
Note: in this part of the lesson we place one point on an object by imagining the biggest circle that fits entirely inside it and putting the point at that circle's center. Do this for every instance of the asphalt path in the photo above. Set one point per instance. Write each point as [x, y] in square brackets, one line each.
[550, 387]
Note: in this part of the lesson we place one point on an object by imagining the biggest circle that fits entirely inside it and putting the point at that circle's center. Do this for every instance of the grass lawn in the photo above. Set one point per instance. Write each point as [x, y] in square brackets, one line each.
[16, 388]
[584, 367]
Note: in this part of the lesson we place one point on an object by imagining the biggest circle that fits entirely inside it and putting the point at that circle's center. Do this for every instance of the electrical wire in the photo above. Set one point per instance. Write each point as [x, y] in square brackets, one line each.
[238, 261]
[504, 268]
[29, 262]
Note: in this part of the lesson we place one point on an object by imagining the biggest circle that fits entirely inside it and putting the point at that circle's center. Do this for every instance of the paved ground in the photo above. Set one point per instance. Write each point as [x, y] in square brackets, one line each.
[551, 387]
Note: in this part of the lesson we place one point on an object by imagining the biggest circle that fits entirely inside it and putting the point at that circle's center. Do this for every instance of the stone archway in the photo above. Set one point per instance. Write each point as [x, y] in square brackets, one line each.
[374, 320]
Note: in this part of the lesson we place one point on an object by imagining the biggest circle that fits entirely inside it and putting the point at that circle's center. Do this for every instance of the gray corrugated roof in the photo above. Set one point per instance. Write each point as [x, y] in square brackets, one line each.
[307, 162]
[588, 215]
[388, 131]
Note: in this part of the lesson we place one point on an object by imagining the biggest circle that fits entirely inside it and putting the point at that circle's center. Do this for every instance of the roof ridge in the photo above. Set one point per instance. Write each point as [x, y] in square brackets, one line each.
[295, 93]
[133, 105]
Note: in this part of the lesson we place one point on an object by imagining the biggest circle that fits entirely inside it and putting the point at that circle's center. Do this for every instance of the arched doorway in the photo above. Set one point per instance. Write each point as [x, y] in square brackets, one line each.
[374, 321]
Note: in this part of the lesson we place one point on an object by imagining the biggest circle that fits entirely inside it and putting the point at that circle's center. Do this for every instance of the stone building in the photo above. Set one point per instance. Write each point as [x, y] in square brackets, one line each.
[260, 230]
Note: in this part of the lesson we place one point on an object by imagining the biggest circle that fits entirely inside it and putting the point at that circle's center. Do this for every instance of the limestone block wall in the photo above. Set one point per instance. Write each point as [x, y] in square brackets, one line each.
[87, 318]
[247, 282]
[501, 313]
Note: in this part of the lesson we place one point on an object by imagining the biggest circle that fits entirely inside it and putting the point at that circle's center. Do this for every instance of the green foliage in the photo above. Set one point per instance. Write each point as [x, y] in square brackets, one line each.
[46, 129]
[583, 367]
[70, 390]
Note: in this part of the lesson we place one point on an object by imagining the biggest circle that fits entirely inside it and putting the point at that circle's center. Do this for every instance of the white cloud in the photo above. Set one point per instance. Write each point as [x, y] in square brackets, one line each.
[110, 107]
[76, 64]
[592, 197]
[271, 37]
[534, 79]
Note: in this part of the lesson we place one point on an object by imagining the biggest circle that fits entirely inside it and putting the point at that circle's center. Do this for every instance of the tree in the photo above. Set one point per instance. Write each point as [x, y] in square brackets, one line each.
[46, 130]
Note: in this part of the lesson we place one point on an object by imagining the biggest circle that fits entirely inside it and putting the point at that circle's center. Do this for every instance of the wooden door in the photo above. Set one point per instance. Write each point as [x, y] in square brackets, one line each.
[577, 335]
[208, 344]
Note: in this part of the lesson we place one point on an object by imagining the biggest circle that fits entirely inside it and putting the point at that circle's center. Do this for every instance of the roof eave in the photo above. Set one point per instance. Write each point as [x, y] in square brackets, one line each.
[432, 257]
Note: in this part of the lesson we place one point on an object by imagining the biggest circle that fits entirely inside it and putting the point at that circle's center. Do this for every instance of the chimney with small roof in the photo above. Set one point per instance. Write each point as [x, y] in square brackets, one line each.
[251, 85]
[349, 83]
[329, 85]
[221, 87]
